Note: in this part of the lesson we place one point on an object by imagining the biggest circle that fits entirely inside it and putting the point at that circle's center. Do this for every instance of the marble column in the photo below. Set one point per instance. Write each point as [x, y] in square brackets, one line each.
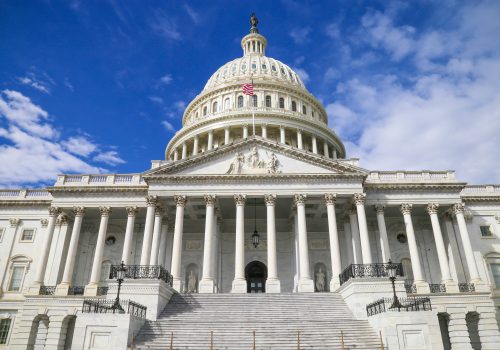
[162, 252]
[40, 271]
[63, 287]
[420, 283]
[458, 209]
[180, 202]
[273, 284]
[95, 276]
[210, 141]
[207, 284]
[129, 235]
[366, 252]
[184, 151]
[348, 240]
[356, 242]
[264, 131]
[326, 153]
[151, 202]
[314, 144]
[239, 283]
[296, 276]
[226, 135]
[306, 284]
[155, 244]
[176, 155]
[299, 139]
[382, 229]
[451, 286]
[245, 131]
[195, 145]
[333, 234]
[282, 134]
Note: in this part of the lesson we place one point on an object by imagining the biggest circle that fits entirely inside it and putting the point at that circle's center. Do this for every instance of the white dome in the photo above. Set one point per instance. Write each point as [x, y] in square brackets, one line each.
[253, 66]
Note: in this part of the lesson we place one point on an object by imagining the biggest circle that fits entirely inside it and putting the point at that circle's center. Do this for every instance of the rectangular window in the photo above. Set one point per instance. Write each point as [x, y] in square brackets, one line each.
[27, 235]
[495, 270]
[485, 231]
[16, 279]
[4, 330]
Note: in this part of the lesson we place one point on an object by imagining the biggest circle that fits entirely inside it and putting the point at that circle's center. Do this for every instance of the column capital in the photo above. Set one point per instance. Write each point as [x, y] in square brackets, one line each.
[62, 219]
[270, 199]
[379, 208]
[359, 198]
[299, 198]
[458, 208]
[330, 198]
[151, 200]
[54, 211]
[240, 199]
[14, 222]
[406, 208]
[159, 210]
[131, 211]
[210, 199]
[105, 211]
[180, 200]
[79, 211]
[497, 218]
[432, 208]
[44, 222]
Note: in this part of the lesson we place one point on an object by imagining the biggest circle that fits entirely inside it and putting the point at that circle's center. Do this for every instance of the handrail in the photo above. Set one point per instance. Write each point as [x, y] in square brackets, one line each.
[368, 270]
[143, 272]
[106, 306]
[405, 304]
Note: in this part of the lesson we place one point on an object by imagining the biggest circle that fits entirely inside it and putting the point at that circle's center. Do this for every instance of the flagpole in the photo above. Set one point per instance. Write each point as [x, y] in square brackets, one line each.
[253, 111]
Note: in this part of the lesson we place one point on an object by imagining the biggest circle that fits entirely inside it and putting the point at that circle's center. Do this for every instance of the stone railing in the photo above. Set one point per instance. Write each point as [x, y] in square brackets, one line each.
[17, 194]
[411, 176]
[481, 190]
[100, 180]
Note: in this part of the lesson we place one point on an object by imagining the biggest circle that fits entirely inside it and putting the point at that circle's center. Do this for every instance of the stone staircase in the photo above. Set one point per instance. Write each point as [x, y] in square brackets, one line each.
[275, 318]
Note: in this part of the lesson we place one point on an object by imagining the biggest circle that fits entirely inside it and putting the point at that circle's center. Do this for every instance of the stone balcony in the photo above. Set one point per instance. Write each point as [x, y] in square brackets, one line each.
[426, 176]
[99, 180]
[24, 194]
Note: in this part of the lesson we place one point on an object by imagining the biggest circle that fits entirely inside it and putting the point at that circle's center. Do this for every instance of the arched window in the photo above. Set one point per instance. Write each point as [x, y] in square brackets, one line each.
[227, 103]
[282, 102]
[304, 110]
[19, 265]
[294, 106]
[214, 107]
[205, 110]
[268, 101]
[240, 101]
[196, 115]
[254, 100]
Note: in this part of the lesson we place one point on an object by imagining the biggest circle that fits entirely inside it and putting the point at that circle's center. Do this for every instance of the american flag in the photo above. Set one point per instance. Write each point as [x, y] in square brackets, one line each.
[248, 89]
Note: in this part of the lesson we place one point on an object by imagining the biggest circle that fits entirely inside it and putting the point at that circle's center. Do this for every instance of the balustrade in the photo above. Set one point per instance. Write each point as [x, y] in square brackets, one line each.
[368, 270]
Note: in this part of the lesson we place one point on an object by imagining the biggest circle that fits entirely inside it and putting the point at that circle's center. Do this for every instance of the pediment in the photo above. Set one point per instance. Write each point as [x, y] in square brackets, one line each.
[256, 156]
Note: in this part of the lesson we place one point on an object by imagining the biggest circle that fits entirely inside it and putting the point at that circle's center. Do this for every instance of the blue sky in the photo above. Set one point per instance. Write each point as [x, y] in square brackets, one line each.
[100, 86]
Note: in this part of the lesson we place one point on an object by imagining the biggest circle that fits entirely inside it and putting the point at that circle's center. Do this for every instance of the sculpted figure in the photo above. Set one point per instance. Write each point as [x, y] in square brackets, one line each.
[191, 282]
[320, 280]
[253, 159]
[235, 167]
[272, 164]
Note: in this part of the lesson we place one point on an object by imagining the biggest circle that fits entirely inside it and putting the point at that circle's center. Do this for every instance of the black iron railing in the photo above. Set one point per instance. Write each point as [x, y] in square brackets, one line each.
[410, 287]
[76, 290]
[105, 306]
[466, 287]
[143, 272]
[406, 304]
[368, 270]
[47, 290]
[437, 288]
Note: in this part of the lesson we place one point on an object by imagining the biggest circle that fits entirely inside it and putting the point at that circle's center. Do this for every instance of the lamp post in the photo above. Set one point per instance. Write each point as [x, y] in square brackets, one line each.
[255, 236]
[120, 276]
[392, 270]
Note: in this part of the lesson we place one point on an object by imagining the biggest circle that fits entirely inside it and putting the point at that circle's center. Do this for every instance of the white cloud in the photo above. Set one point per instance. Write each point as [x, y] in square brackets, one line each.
[300, 35]
[195, 17]
[156, 99]
[41, 82]
[168, 126]
[166, 79]
[31, 152]
[301, 72]
[163, 24]
[109, 157]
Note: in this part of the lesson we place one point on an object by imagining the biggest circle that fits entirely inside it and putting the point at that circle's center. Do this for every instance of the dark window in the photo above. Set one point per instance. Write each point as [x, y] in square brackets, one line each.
[27, 235]
[304, 110]
[205, 110]
[485, 231]
[240, 101]
[4, 330]
[254, 100]
[294, 106]
[214, 107]
[282, 102]
[268, 101]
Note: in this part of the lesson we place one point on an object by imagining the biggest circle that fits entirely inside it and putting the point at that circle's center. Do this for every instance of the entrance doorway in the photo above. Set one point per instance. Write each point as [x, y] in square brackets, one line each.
[256, 275]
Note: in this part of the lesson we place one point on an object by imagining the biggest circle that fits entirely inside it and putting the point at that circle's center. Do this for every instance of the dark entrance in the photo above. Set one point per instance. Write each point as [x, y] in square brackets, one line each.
[256, 275]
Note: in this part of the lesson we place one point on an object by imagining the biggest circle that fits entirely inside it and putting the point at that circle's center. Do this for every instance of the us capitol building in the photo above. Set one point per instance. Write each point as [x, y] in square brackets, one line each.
[256, 229]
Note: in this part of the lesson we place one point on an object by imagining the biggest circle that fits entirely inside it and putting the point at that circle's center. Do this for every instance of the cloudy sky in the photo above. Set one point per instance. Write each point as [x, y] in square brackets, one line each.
[100, 86]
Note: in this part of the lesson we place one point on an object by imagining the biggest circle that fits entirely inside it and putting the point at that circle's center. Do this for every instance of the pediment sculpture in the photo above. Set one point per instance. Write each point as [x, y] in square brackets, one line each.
[252, 163]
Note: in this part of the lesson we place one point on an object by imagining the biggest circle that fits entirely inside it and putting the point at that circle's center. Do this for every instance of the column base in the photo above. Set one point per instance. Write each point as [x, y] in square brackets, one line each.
[306, 285]
[206, 286]
[34, 289]
[177, 285]
[91, 289]
[451, 286]
[480, 286]
[62, 289]
[334, 284]
[273, 286]
[239, 286]
[422, 287]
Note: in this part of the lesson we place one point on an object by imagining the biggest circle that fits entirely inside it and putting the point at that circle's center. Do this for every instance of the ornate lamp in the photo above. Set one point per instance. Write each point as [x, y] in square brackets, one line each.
[255, 236]
[392, 271]
[120, 276]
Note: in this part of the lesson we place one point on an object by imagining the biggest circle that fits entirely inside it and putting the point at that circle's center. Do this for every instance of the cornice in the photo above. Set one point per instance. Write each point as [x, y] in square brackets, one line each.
[480, 198]
[456, 186]
[25, 203]
[97, 189]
